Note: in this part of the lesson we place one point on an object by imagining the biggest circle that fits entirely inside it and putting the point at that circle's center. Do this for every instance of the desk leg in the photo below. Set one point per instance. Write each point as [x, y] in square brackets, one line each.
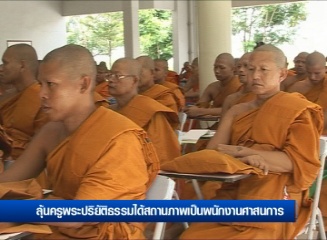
[197, 189]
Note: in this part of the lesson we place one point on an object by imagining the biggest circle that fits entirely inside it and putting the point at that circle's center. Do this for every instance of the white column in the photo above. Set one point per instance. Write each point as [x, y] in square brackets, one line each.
[131, 28]
[214, 34]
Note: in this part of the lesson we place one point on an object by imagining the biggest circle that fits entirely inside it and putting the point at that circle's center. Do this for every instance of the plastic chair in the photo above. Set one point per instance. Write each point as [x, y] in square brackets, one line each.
[163, 188]
[316, 218]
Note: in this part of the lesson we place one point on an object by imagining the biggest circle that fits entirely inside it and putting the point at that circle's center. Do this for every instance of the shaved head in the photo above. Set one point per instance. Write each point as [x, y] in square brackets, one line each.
[26, 53]
[227, 58]
[279, 56]
[302, 55]
[76, 61]
[146, 62]
[315, 58]
[129, 66]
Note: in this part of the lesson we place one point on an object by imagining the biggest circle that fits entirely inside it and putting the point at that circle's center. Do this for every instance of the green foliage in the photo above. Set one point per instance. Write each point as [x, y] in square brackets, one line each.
[156, 38]
[273, 24]
[101, 33]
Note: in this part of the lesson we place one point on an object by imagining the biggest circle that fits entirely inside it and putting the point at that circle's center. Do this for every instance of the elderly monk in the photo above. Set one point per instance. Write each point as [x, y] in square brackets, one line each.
[160, 74]
[254, 133]
[20, 110]
[149, 114]
[212, 99]
[147, 86]
[101, 80]
[244, 94]
[93, 153]
[300, 72]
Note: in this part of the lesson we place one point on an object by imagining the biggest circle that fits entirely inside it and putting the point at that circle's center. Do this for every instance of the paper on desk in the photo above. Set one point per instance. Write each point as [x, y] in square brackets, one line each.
[194, 134]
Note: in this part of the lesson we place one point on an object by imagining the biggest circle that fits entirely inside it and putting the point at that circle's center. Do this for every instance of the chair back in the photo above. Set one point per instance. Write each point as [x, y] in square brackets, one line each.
[161, 189]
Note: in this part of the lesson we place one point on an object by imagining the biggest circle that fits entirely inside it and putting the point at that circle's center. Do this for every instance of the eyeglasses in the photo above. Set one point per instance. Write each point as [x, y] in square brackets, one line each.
[115, 76]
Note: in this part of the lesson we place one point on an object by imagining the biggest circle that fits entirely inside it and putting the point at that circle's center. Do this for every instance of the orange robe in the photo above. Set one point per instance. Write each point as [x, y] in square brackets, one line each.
[231, 87]
[154, 119]
[263, 128]
[172, 77]
[21, 117]
[120, 164]
[163, 95]
[100, 101]
[103, 89]
[178, 95]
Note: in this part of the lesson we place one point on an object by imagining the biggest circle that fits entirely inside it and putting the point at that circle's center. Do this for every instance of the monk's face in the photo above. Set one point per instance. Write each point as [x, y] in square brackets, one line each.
[121, 86]
[60, 93]
[242, 69]
[101, 75]
[160, 72]
[316, 73]
[147, 77]
[223, 69]
[299, 64]
[264, 73]
[10, 68]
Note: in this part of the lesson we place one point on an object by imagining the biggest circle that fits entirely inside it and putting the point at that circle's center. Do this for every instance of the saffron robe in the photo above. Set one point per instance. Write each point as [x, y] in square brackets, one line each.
[103, 89]
[225, 90]
[155, 119]
[100, 101]
[263, 128]
[163, 95]
[172, 77]
[21, 117]
[178, 95]
[107, 157]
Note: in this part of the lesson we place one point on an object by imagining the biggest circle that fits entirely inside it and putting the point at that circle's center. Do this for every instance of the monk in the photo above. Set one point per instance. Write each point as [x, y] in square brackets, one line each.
[5, 89]
[300, 72]
[185, 74]
[152, 116]
[160, 74]
[93, 153]
[101, 80]
[191, 89]
[314, 88]
[147, 86]
[244, 94]
[20, 110]
[254, 133]
[212, 99]
[172, 77]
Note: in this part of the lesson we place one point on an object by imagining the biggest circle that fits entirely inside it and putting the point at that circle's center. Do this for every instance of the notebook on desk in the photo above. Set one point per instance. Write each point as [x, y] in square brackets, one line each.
[223, 177]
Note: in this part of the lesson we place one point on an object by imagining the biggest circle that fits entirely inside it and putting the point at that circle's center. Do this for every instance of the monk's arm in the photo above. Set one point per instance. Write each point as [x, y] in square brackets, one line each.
[31, 162]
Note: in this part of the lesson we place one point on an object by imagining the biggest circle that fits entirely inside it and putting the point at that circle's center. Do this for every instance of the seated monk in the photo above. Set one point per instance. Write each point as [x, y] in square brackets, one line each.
[172, 77]
[314, 88]
[255, 134]
[155, 118]
[92, 153]
[191, 88]
[244, 94]
[212, 99]
[147, 86]
[300, 72]
[160, 74]
[101, 81]
[185, 74]
[20, 110]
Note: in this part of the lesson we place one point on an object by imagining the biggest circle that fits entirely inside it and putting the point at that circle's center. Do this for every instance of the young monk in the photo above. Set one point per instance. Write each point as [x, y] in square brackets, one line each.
[300, 70]
[147, 86]
[89, 152]
[212, 99]
[254, 133]
[101, 80]
[245, 94]
[149, 114]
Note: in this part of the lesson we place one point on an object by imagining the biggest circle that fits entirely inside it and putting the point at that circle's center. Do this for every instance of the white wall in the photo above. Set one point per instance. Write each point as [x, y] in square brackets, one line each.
[38, 21]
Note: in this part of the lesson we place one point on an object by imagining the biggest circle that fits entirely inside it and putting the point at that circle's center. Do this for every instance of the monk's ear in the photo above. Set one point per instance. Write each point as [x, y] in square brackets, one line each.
[283, 74]
[85, 83]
